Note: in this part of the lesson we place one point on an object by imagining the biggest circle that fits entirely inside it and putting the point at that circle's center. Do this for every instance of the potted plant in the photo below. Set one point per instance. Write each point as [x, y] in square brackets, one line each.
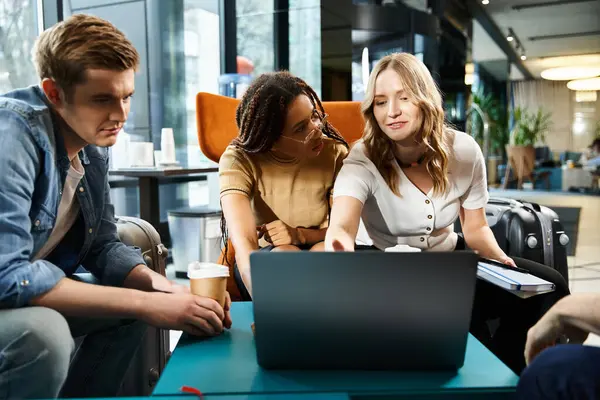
[488, 118]
[529, 129]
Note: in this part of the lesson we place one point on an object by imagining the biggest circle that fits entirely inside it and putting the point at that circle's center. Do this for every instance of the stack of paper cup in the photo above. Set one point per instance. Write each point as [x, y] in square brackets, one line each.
[208, 280]
[167, 146]
[141, 154]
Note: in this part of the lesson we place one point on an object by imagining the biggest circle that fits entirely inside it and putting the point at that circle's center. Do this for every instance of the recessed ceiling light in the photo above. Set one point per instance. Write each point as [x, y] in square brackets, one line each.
[510, 38]
[569, 73]
[523, 57]
[485, 2]
[585, 84]
[586, 96]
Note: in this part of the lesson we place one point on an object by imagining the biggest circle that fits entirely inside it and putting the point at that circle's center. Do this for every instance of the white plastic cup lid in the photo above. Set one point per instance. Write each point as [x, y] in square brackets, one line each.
[201, 270]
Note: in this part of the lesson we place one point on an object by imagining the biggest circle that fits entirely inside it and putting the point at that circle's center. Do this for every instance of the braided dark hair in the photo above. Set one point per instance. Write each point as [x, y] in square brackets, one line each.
[262, 113]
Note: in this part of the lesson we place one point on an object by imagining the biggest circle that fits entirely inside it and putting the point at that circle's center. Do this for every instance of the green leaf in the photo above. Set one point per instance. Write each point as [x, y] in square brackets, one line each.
[530, 127]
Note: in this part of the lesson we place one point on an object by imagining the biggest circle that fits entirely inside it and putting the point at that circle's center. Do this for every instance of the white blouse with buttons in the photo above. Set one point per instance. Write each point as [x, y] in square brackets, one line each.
[424, 221]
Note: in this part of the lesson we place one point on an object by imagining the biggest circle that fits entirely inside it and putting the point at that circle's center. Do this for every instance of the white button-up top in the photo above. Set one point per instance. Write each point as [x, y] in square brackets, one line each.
[424, 221]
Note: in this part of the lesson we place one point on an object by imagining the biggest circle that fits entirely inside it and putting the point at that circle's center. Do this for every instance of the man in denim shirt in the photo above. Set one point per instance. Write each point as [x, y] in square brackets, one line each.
[55, 215]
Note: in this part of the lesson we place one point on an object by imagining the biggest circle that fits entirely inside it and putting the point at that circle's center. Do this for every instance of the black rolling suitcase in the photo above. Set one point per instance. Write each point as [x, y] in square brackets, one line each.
[153, 353]
[529, 231]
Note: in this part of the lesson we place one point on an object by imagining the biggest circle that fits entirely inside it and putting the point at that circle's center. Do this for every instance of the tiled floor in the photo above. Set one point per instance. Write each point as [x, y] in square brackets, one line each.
[584, 267]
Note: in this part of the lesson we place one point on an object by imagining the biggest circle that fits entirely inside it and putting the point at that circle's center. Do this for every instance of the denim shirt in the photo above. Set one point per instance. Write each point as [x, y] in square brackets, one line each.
[33, 168]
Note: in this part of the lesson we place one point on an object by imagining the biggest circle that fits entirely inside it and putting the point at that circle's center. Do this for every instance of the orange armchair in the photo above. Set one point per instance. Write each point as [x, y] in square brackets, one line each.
[215, 117]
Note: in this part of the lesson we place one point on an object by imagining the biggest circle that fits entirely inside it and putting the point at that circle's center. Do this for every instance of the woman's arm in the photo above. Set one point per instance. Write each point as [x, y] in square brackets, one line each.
[479, 236]
[343, 224]
[241, 227]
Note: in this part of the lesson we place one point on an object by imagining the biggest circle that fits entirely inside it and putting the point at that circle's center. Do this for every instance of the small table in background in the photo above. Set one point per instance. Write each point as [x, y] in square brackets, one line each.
[149, 181]
[576, 178]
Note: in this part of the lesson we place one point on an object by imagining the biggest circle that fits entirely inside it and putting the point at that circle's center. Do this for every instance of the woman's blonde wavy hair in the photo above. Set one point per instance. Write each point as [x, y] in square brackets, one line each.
[423, 91]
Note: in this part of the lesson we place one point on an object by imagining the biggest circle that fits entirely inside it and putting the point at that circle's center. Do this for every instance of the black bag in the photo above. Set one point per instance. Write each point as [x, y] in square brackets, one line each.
[153, 353]
[529, 231]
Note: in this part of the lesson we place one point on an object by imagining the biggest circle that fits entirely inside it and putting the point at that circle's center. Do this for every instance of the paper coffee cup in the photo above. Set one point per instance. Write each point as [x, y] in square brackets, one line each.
[208, 280]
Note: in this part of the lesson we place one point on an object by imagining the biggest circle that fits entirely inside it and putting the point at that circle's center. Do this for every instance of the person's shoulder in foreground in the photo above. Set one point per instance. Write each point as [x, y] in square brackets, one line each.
[568, 370]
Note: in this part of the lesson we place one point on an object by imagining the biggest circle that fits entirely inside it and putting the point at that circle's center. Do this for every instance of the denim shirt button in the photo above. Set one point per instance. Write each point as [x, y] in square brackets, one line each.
[37, 222]
[81, 189]
[90, 230]
[24, 282]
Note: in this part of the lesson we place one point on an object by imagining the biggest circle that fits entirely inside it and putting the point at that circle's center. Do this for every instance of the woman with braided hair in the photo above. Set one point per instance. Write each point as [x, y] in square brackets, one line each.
[276, 177]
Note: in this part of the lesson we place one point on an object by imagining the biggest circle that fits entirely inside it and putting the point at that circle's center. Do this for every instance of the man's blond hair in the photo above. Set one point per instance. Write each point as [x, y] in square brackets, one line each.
[65, 51]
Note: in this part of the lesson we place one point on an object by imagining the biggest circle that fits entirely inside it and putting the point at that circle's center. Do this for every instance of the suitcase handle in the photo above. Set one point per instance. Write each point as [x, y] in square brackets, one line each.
[503, 201]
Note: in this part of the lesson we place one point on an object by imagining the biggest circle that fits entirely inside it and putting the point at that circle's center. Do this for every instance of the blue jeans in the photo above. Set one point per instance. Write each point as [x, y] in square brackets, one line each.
[562, 372]
[39, 358]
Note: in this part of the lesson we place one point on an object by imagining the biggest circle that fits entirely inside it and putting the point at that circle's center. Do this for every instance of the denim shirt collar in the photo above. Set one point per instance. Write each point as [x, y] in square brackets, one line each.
[61, 152]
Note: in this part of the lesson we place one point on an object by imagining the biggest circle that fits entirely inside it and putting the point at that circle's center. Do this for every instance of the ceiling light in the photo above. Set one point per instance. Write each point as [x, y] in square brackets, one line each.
[485, 2]
[510, 38]
[523, 57]
[585, 84]
[586, 96]
[569, 73]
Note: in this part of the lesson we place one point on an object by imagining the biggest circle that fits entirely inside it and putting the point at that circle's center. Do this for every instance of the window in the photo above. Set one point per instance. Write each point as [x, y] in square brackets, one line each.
[138, 122]
[178, 43]
[18, 31]
[202, 64]
[305, 41]
[255, 33]
[369, 46]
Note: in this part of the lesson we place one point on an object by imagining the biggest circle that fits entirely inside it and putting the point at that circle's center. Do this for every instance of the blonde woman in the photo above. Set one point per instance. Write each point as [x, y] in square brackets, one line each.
[410, 178]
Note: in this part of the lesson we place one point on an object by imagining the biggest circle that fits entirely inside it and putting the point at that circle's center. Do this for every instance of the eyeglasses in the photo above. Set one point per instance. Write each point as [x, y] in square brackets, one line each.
[316, 118]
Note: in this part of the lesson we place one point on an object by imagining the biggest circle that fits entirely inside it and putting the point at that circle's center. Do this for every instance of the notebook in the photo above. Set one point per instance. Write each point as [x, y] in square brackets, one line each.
[512, 280]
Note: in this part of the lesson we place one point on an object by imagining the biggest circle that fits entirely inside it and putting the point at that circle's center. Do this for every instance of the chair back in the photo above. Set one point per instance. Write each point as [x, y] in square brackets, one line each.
[215, 118]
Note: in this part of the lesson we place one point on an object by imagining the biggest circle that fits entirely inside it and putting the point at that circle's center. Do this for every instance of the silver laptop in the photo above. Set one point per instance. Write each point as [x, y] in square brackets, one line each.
[367, 310]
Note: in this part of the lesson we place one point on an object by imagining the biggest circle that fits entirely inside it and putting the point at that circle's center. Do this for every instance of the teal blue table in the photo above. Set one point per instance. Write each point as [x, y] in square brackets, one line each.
[226, 365]
[273, 396]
